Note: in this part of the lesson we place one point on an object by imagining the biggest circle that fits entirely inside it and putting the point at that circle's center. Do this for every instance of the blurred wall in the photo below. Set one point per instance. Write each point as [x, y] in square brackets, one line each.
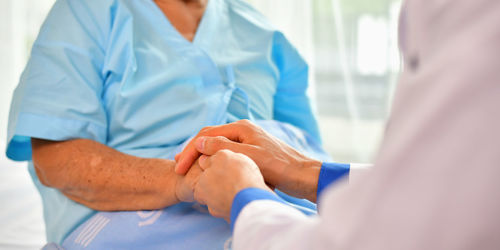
[13, 55]
[20, 21]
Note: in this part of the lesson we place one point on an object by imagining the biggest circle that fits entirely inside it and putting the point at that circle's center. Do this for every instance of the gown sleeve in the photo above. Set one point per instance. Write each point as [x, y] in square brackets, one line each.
[59, 93]
[291, 103]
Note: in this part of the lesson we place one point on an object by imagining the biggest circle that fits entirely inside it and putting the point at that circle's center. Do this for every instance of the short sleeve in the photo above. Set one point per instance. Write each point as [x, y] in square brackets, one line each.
[291, 103]
[59, 93]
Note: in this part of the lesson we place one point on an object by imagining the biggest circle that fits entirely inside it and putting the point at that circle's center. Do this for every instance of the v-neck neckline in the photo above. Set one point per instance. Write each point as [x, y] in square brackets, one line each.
[199, 29]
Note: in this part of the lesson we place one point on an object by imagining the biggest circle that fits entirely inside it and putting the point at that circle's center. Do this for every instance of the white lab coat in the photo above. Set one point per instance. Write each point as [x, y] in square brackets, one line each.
[436, 180]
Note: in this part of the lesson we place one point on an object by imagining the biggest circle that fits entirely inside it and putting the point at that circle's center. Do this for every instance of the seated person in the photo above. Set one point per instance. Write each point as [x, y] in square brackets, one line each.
[113, 87]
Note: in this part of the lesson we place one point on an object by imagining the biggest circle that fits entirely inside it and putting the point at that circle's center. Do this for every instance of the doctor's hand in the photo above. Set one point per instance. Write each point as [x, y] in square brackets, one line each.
[281, 165]
[224, 175]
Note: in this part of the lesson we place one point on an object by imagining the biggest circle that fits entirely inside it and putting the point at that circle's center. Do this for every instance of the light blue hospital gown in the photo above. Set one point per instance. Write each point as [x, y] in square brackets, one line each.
[118, 72]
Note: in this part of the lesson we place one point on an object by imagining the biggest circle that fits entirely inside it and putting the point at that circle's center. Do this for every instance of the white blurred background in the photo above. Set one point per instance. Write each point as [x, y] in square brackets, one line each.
[21, 222]
[351, 46]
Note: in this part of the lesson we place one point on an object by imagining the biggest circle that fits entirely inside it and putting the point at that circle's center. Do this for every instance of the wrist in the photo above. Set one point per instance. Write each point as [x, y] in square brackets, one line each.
[177, 188]
[301, 179]
[169, 183]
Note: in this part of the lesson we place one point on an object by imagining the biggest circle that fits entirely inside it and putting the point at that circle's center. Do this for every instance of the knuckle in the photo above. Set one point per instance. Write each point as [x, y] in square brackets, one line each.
[247, 123]
[241, 156]
[205, 129]
[225, 152]
[247, 126]
[212, 142]
[220, 140]
[221, 155]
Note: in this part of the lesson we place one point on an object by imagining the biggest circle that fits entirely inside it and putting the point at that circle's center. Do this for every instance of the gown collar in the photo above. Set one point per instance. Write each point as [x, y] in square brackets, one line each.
[206, 27]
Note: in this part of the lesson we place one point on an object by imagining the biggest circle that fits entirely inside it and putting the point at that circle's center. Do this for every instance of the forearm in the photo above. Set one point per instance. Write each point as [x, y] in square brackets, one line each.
[102, 178]
[309, 178]
[301, 180]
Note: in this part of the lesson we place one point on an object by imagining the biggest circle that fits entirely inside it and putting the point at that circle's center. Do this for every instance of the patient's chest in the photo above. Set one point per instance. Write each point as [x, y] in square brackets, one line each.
[160, 89]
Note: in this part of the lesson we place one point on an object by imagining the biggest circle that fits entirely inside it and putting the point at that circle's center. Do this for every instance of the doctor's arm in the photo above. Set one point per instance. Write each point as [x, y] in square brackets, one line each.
[105, 179]
[429, 191]
[233, 188]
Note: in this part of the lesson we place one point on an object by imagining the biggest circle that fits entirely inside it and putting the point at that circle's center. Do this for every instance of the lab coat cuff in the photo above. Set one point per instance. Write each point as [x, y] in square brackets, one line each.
[329, 173]
[245, 196]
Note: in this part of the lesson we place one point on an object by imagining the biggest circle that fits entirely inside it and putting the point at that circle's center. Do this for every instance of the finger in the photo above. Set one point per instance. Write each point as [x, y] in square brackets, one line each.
[237, 131]
[204, 162]
[212, 145]
[186, 158]
[214, 212]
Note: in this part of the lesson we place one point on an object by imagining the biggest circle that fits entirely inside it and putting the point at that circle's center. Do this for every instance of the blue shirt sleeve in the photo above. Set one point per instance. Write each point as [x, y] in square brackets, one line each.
[59, 94]
[329, 173]
[291, 103]
[248, 195]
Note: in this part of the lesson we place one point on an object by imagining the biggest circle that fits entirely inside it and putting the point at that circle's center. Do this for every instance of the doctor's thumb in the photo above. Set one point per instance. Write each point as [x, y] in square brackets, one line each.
[211, 145]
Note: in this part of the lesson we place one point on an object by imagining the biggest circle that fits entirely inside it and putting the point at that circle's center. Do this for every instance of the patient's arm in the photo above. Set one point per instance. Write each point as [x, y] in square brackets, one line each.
[105, 179]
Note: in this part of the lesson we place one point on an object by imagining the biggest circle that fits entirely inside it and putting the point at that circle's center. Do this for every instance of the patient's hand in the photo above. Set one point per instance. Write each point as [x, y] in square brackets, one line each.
[184, 189]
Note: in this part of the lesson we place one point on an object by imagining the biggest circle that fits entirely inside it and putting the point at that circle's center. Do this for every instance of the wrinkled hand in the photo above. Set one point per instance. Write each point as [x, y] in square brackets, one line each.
[281, 165]
[224, 175]
[184, 188]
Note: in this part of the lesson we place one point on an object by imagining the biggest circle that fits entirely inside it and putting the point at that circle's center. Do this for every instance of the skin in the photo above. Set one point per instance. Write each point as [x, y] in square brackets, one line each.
[184, 15]
[105, 179]
[224, 175]
[281, 166]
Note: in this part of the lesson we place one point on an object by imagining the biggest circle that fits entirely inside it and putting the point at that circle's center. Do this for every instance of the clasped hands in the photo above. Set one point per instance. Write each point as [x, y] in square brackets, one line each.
[223, 160]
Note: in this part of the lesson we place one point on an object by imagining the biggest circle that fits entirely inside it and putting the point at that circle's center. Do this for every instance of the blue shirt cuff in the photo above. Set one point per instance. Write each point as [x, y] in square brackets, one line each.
[329, 173]
[248, 195]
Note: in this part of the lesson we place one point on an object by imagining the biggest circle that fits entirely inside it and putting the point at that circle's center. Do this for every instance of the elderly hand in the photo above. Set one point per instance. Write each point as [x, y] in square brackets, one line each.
[224, 175]
[281, 165]
[184, 188]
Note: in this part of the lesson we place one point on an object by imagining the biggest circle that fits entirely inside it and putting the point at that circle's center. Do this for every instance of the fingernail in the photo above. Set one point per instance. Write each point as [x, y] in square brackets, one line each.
[200, 143]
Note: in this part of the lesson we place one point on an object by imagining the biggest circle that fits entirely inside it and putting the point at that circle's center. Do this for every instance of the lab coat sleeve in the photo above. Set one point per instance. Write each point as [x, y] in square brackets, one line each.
[435, 183]
[332, 172]
[268, 224]
[260, 213]
[291, 103]
[59, 94]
